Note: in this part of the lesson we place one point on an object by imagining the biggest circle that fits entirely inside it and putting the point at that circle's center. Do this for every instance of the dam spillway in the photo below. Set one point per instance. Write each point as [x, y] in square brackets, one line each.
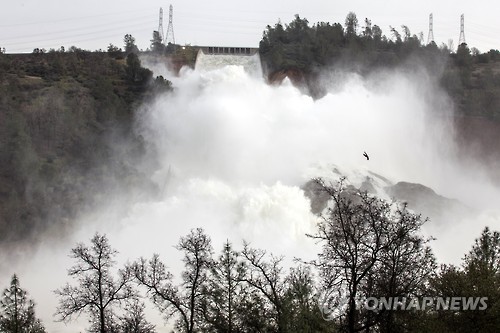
[214, 57]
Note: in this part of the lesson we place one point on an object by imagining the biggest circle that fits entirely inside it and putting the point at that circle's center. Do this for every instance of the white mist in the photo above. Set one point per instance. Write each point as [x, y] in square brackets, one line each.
[231, 152]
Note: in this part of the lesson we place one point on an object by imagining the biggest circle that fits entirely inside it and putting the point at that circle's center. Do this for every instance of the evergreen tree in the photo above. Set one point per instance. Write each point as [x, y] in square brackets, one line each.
[478, 277]
[351, 25]
[157, 45]
[130, 46]
[18, 311]
[224, 292]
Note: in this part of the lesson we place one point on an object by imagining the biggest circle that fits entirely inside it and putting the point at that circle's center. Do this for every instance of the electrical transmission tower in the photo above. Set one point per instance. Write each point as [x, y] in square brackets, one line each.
[170, 29]
[461, 40]
[160, 26]
[430, 37]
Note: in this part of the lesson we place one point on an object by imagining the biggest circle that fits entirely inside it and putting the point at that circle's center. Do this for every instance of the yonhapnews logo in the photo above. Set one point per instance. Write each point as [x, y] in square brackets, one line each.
[332, 305]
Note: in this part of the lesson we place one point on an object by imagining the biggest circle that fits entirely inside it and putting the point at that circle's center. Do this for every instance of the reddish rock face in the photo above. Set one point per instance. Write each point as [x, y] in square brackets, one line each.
[295, 75]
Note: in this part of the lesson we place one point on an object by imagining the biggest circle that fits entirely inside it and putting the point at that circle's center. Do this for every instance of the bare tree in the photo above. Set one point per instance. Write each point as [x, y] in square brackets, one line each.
[370, 248]
[97, 291]
[134, 319]
[185, 300]
[267, 279]
[406, 265]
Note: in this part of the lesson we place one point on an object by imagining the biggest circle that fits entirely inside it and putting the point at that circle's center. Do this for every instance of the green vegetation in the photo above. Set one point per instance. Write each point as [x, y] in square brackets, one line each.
[59, 114]
[479, 275]
[17, 311]
[472, 79]
[299, 46]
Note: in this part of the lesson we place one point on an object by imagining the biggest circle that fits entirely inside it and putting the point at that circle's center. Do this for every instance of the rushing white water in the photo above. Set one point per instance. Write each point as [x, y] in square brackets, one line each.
[230, 153]
[210, 62]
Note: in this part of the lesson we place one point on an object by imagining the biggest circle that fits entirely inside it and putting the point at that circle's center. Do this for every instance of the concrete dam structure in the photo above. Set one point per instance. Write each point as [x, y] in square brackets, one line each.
[221, 50]
[215, 57]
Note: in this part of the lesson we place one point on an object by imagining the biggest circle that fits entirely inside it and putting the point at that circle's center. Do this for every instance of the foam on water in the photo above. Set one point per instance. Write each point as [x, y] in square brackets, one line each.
[210, 62]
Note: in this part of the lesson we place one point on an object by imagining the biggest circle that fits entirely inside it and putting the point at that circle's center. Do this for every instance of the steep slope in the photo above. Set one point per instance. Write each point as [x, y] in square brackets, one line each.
[61, 117]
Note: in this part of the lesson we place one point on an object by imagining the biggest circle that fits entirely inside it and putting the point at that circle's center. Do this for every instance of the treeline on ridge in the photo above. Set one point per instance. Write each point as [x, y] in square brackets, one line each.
[303, 52]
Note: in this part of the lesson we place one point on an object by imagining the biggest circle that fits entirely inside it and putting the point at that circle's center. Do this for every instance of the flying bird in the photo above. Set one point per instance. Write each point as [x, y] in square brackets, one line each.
[366, 155]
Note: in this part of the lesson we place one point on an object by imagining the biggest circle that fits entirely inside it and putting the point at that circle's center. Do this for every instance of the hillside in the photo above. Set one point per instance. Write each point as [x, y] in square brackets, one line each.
[66, 117]
[61, 117]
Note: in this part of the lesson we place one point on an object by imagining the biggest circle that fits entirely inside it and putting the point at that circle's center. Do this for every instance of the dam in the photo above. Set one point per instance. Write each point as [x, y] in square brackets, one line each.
[221, 50]
[214, 57]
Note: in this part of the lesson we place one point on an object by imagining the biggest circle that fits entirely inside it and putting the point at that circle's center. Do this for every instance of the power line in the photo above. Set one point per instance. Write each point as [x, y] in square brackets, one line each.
[160, 25]
[62, 39]
[196, 24]
[73, 19]
[461, 39]
[66, 40]
[170, 29]
[122, 25]
[430, 37]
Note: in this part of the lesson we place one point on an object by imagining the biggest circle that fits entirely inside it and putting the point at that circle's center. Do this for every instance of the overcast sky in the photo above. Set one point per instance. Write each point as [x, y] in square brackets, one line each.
[94, 24]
